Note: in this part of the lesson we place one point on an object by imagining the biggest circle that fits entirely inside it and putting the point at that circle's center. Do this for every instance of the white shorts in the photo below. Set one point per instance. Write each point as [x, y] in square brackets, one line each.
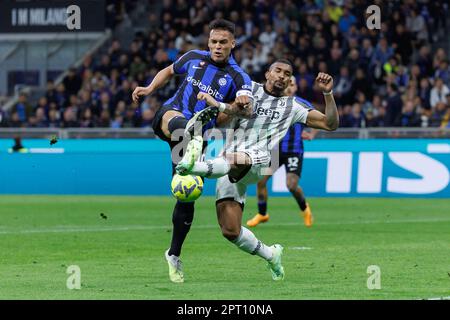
[237, 191]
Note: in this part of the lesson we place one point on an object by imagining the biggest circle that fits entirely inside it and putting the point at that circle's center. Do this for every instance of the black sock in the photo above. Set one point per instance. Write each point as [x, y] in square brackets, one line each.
[301, 203]
[177, 123]
[262, 208]
[182, 217]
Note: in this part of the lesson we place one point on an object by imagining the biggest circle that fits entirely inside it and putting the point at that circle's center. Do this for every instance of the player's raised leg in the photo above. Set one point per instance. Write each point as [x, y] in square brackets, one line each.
[193, 130]
[194, 125]
[261, 193]
[191, 155]
[232, 163]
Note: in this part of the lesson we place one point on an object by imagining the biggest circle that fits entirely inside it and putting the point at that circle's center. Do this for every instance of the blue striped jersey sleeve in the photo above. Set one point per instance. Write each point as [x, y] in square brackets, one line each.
[304, 103]
[181, 65]
[242, 83]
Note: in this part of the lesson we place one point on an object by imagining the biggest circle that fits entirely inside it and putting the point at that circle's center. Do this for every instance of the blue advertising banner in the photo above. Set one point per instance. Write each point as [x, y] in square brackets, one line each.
[337, 168]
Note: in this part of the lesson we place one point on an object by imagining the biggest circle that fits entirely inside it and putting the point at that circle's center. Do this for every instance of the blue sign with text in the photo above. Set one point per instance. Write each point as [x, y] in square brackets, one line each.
[337, 167]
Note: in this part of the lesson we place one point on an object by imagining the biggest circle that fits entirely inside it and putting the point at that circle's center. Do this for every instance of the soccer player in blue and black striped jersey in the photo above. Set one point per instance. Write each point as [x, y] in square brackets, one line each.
[291, 155]
[214, 72]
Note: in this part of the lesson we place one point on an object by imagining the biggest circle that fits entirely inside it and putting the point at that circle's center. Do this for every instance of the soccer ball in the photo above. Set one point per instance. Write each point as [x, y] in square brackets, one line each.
[186, 188]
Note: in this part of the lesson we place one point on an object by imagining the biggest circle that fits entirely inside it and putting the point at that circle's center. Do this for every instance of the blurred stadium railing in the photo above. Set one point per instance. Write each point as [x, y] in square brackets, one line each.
[147, 133]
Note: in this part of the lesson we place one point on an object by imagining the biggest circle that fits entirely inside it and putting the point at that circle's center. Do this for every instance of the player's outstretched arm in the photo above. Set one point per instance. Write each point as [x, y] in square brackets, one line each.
[241, 109]
[161, 78]
[330, 120]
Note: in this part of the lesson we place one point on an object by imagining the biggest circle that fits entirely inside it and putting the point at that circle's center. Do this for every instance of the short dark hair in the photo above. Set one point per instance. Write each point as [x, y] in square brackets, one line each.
[223, 24]
[282, 60]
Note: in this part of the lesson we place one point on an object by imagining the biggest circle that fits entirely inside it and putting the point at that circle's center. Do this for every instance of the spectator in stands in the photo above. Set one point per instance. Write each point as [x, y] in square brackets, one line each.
[402, 43]
[43, 104]
[424, 93]
[137, 66]
[51, 91]
[446, 118]
[147, 118]
[346, 119]
[439, 111]
[439, 56]
[61, 95]
[41, 118]
[335, 61]
[104, 119]
[361, 84]
[70, 119]
[394, 106]
[401, 78]
[357, 116]
[87, 119]
[417, 25]
[346, 21]
[438, 93]
[409, 117]
[363, 102]
[54, 118]
[343, 86]
[117, 122]
[334, 11]
[325, 36]
[381, 55]
[72, 82]
[425, 62]
[305, 90]
[443, 72]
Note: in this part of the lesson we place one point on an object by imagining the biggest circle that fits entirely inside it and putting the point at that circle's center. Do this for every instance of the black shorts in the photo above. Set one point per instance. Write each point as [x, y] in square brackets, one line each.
[293, 162]
[156, 124]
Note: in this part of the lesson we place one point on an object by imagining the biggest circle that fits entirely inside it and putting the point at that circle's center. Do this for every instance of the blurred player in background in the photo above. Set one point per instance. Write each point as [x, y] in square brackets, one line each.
[215, 72]
[291, 155]
[248, 154]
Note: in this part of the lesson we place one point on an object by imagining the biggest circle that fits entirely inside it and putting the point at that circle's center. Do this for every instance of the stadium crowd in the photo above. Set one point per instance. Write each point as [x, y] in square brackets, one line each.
[382, 78]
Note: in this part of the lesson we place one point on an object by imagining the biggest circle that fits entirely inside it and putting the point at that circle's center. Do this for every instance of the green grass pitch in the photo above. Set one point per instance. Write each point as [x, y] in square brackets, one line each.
[119, 244]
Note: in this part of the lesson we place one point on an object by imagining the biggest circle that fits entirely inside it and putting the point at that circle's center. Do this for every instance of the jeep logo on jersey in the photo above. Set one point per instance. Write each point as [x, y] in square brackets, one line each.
[273, 114]
[222, 82]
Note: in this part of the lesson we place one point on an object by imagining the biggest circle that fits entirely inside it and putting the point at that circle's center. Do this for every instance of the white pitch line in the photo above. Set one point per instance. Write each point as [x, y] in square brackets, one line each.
[61, 229]
[438, 298]
[300, 248]
[69, 229]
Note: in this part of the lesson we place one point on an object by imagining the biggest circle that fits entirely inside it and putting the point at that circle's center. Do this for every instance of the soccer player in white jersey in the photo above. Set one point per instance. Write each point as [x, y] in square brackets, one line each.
[247, 156]
[290, 150]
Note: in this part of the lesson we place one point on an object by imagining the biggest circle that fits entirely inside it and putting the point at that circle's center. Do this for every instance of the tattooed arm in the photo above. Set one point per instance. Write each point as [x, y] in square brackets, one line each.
[233, 109]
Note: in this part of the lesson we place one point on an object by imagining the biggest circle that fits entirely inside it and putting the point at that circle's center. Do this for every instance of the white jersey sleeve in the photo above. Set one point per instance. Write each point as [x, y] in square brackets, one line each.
[300, 111]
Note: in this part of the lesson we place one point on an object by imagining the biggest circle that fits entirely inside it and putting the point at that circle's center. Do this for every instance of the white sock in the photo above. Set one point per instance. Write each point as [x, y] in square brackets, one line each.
[249, 243]
[214, 168]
